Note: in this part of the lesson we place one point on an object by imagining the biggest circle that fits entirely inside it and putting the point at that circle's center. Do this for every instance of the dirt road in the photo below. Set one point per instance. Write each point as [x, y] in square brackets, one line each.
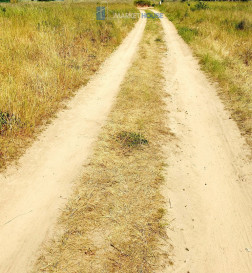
[209, 181]
[208, 187]
[31, 195]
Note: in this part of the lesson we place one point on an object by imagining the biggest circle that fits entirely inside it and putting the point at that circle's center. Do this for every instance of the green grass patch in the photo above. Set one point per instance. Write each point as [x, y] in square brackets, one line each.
[217, 67]
[188, 34]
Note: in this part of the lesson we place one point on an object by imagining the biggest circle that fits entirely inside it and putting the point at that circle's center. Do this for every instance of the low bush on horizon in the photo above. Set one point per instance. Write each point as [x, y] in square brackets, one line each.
[142, 3]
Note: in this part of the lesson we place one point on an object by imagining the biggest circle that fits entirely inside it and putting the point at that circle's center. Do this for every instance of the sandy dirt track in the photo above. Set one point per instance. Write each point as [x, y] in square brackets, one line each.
[209, 176]
[31, 195]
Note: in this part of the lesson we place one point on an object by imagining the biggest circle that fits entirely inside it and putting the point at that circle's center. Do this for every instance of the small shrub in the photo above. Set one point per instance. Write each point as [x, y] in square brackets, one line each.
[142, 3]
[200, 6]
[242, 25]
[2, 9]
[131, 139]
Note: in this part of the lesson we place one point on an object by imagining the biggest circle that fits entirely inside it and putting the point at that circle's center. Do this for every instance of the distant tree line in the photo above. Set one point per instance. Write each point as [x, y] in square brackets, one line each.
[210, 0]
[227, 0]
[15, 1]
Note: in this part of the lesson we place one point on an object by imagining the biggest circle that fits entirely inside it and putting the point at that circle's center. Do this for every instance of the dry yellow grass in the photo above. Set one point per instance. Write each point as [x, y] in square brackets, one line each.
[47, 51]
[221, 36]
[114, 221]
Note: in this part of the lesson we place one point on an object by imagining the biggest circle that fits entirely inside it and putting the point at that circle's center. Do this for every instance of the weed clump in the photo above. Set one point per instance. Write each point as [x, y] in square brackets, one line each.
[131, 139]
[158, 39]
[7, 121]
[246, 56]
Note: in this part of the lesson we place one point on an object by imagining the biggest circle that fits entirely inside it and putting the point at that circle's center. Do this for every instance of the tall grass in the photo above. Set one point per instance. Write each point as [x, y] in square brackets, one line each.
[220, 34]
[47, 51]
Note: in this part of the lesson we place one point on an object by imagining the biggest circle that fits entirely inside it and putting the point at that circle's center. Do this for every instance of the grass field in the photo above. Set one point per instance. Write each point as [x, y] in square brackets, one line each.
[114, 221]
[220, 34]
[47, 51]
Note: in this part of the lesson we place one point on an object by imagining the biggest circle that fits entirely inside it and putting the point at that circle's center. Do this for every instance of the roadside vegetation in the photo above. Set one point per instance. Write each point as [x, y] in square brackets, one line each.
[115, 220]
[47, 51]
[220, 35]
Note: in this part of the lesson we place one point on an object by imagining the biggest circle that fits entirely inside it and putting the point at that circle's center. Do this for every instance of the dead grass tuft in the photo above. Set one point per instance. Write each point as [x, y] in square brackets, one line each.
[115, 220]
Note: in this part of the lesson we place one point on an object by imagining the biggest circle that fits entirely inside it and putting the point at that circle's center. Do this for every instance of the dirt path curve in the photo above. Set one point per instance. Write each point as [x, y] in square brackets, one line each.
[31, 195]
[209, 178]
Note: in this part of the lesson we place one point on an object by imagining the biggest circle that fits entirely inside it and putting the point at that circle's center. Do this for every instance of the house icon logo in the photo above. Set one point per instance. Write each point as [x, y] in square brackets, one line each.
[100, 13]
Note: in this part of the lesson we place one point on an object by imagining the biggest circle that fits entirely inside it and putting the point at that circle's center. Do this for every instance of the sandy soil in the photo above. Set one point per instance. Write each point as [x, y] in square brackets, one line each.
[32, 194]
[209, 176]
